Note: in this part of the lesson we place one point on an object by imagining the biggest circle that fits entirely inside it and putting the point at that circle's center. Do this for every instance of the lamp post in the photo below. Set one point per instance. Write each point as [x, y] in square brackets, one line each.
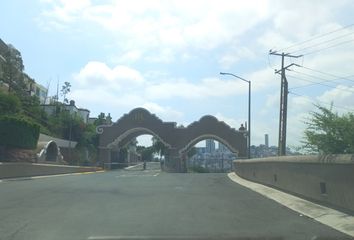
[249, 109]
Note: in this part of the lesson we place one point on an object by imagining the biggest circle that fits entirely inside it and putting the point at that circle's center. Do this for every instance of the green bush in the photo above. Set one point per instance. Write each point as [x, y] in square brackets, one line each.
[18, 132]
[199, 169]
[9, 104]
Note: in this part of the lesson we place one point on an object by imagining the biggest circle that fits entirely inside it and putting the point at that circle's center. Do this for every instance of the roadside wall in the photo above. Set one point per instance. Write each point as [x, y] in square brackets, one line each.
[12, 170]
[328, 179]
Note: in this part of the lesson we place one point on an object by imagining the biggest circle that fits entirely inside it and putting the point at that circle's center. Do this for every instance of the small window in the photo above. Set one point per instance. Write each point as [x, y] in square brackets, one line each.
[275, 178]
[323, 188]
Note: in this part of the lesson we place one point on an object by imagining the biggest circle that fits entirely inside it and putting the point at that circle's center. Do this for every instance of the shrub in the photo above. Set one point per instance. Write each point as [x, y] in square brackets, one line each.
[199, 169]
[18, 132]
[9, 104]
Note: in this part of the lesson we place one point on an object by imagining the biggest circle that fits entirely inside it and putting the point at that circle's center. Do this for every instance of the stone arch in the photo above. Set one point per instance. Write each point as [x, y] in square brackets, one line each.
[177, 139]
[124, 138]
[51, 151]
[193, 142]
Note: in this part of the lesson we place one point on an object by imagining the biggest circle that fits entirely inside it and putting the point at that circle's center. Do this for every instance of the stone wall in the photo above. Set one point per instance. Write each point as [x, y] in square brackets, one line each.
[328, 179]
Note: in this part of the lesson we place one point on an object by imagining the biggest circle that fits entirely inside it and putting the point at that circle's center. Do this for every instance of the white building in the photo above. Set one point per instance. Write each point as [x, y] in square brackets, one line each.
[83, 113]
[39, 91]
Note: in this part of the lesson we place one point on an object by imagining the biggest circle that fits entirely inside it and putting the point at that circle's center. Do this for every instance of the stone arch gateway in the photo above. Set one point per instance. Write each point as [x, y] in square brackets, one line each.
[178, 140]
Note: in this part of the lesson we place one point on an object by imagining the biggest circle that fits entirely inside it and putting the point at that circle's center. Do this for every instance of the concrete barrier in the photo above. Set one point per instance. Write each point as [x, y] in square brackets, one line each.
[327, 179]
[14, 170]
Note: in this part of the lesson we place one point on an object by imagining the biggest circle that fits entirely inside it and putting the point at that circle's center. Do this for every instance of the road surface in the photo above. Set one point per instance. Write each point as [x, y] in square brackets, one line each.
[146, 205]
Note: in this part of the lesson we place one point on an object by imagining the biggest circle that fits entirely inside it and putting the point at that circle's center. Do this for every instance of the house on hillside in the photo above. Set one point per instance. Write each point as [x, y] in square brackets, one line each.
[36, 89]
[83, 113]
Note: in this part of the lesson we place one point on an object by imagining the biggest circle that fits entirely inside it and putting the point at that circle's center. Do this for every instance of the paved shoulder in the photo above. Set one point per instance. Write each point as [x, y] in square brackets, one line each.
[330, 217]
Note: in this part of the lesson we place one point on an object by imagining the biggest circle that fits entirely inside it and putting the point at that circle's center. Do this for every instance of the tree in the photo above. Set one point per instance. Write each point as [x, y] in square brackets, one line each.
[9, 104]
[13, 70]
[327, 132]
[65, 89]
[159, 147]
[192, 152]
[146, 153]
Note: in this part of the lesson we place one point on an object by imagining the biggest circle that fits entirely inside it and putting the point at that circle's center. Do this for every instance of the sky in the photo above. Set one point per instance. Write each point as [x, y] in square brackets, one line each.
[166, 56]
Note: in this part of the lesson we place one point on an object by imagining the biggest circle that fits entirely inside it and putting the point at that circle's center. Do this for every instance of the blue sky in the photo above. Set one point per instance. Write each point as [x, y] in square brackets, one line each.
[166, 56]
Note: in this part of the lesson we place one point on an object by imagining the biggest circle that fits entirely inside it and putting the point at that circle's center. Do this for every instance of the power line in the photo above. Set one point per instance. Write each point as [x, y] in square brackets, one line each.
[330, 74]
[317, 37]
[321, 43]
[335, 106]
[318, 83]
[332, 46]
[312, 82]
[310, 75]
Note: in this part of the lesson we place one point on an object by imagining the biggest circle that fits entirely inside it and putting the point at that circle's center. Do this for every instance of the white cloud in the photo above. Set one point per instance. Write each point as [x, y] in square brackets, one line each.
[342, 98]
[165, 113]
[98, 74]
[208, 87]
[234, 55]
[128, 57]
[105, 97]
[172, 25]
[232, 122]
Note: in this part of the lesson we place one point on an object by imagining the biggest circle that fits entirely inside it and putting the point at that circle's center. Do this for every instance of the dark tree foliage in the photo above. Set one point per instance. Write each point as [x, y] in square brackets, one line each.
[327, 132]
[65, 89]
[159, 147]
[146, 153]
[18, 132]
[192, 152]
[13, 70]
[9, 104]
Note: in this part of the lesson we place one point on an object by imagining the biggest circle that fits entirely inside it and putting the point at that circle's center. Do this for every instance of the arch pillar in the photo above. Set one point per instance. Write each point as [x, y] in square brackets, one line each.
[105, 157]
[173, 161]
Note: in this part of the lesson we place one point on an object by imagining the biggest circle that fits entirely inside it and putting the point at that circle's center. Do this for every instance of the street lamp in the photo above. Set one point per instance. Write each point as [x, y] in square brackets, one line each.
[249, 109]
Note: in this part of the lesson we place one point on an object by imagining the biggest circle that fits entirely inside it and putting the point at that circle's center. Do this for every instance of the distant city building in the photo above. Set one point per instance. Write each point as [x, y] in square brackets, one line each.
[210, 145]
[222, 148]
[263, 151]
[84, 114]
[200, 150]
[212, 160]
[266, 140]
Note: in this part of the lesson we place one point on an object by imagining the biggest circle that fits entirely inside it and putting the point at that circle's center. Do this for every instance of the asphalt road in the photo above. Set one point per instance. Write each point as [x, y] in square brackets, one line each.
[146, 204]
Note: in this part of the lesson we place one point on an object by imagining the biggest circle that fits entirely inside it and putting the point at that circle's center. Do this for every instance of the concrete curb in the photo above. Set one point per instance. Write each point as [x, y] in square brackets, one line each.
[133, 166]
[47, 176]
[327, 216]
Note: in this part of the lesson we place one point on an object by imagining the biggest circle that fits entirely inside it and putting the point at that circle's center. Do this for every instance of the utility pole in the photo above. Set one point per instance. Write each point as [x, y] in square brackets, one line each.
[283, 101]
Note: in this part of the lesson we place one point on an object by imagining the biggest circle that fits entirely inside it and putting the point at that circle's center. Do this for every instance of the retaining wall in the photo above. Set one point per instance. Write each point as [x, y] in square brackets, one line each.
[328, 179]
[13, 170]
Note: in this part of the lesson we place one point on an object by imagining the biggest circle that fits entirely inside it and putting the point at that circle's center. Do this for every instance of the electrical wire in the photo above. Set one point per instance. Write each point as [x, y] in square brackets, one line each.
[309, 75]
[321, 43]
[317, 37]
[306, 80]
[332, 46]
[347, 78]
[318, 83]
[335, 106]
